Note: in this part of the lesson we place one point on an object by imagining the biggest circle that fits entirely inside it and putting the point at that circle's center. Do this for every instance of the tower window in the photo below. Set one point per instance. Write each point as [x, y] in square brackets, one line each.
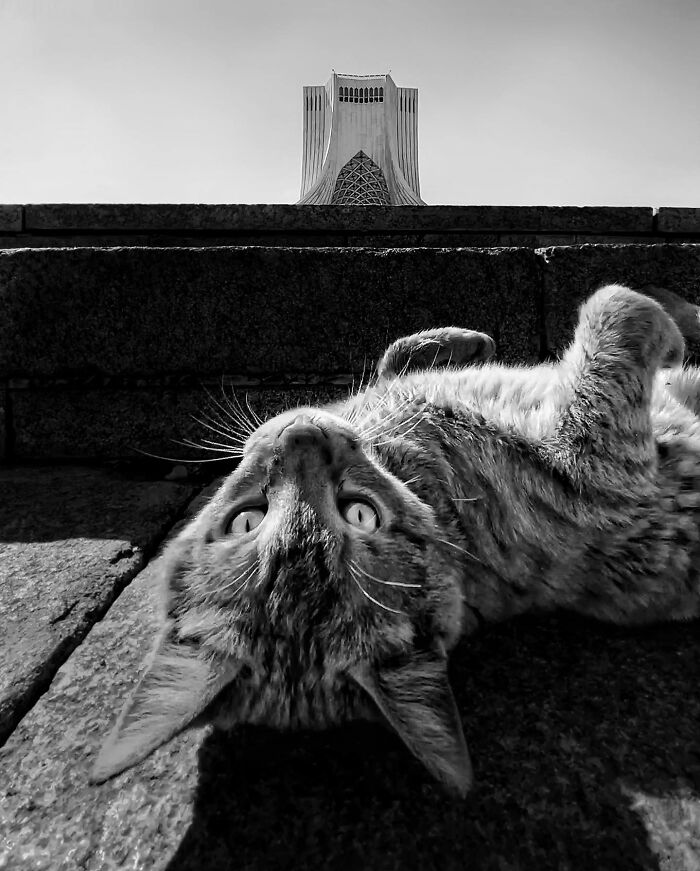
[360, 183]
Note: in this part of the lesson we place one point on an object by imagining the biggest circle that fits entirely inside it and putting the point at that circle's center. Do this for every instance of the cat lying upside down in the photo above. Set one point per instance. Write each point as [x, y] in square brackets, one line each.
[355, 544]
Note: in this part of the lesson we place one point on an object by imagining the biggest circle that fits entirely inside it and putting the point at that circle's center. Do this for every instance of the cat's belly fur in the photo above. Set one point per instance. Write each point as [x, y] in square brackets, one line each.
[527, 397]
[637, 564]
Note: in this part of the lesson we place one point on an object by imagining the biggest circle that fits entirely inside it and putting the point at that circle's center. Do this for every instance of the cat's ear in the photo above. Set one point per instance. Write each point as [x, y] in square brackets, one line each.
[416, 700]
[178, 685]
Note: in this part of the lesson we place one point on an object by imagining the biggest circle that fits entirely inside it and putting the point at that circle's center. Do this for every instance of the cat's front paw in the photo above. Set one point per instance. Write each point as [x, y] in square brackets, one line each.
[623, 323]
[432, 349]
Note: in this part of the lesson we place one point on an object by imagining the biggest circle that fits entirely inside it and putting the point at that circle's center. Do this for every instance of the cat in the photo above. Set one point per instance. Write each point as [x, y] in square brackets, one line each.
[355, 544]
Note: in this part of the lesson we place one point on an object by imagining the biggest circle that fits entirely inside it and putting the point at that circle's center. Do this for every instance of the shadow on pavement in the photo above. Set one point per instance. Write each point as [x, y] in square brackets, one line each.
[566, 719]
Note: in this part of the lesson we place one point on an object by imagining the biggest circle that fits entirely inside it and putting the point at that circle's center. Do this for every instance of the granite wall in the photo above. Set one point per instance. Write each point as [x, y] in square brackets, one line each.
[109, 352]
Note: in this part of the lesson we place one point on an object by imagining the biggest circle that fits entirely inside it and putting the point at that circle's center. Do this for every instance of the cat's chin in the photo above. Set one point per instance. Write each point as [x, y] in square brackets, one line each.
[363, 713]
[309, 707]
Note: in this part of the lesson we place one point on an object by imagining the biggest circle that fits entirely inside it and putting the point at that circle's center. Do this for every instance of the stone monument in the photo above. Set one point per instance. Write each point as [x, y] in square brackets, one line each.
[360, 143]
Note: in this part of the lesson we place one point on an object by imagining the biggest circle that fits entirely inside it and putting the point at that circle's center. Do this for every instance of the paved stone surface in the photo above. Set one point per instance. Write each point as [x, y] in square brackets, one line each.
[573, 273]
[248, 310]
[585, 741]
[72, 424]
[70, 539]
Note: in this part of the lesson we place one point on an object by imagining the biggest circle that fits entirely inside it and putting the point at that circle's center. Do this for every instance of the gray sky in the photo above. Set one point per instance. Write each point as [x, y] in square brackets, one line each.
[544, 102]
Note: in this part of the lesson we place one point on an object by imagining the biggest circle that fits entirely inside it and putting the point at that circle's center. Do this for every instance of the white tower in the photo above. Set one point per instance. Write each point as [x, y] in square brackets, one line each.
[360, 143]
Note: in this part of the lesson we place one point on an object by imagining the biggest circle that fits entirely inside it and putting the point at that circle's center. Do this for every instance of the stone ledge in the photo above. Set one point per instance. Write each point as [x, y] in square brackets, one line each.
[70, 540]
[281, 217]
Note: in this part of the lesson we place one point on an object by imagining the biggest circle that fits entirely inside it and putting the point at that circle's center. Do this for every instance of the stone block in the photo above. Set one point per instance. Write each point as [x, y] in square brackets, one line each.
[111, 424]
[142, 311]
[573, 273]
[669, 220]
[70, 540]
[10, 219]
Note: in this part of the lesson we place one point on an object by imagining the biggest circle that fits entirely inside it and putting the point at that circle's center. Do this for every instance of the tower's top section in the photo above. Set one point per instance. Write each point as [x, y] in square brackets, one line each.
[360, 142]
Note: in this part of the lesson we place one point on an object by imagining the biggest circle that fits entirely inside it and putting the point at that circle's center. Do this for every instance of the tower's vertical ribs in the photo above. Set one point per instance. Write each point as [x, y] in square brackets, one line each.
[416, 179]
[314, 127]
[413, 181]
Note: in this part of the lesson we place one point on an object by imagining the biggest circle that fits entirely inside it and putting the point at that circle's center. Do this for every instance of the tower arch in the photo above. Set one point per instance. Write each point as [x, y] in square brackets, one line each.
[360, 183]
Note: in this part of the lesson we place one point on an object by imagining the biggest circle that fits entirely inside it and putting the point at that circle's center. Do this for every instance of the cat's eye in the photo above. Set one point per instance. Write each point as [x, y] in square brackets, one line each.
[360, 514]
[245, 521]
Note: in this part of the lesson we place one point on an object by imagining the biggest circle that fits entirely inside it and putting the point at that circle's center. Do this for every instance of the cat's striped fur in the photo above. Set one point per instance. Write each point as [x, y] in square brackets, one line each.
[477, 493]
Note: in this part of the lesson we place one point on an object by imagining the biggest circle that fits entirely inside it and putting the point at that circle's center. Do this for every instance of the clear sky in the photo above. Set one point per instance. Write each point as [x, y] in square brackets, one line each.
[542, 102]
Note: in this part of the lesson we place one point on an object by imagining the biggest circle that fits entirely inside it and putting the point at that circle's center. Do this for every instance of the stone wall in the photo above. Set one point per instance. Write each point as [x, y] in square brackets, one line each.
[106, 352]
[59, 225]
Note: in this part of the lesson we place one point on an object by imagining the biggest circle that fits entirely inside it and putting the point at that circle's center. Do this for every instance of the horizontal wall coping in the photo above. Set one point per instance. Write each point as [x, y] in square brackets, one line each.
[57, 217]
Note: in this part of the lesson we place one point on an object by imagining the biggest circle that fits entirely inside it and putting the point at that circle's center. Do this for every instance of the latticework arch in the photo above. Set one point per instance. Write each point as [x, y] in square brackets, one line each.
[360, 183]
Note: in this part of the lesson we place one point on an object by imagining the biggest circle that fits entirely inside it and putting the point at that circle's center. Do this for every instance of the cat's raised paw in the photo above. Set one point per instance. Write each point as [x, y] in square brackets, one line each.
[432, 349]
[622, 323]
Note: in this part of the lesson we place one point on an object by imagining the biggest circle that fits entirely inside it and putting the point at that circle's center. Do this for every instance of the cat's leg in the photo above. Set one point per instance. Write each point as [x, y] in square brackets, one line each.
[636, 503]
[430, 349]
[603, 439]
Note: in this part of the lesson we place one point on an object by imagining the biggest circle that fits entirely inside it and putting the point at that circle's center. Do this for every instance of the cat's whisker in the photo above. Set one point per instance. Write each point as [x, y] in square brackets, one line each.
[230, 452]
[414, 480]
[461, 549]
[417, 417]
[224, 409]
[241, 421]
[467, 499]
[226, 445]
[352, 417]
[241, 579]
[178, 459]
[386, 421]
[420, 416]
[227, 433]
[234, 403]
[372, 599]
[370, 577]
[256, 418]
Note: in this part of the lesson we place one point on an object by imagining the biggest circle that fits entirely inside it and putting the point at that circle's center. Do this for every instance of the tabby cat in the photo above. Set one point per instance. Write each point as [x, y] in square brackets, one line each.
[355, 544]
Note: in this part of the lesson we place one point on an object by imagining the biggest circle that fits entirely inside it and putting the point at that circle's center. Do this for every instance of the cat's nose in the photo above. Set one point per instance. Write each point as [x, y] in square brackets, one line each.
[301, 432]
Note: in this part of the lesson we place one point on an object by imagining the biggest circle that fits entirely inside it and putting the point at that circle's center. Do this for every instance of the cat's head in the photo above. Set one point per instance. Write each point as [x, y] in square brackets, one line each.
[315, 587]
